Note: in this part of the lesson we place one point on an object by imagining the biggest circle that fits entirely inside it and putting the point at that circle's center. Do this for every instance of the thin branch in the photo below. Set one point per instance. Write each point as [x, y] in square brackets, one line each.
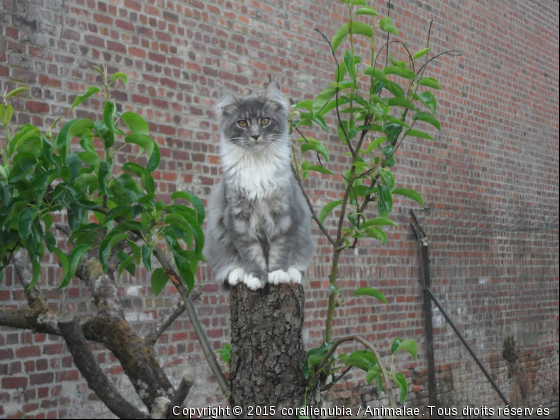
[453, 53]
[337, 82]
[313, 213]
[197, 326]
[307, 141]
[370, 347]
[63, 228]
[85, 361]
[182, 391]
[336, 380]
[166, 321]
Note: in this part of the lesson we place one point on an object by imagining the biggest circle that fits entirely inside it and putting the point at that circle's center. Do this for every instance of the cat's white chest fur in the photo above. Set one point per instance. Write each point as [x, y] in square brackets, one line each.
[257, 174]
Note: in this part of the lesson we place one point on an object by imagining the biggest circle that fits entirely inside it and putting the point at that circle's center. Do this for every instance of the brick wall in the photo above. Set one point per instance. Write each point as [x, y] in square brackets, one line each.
[498, 146]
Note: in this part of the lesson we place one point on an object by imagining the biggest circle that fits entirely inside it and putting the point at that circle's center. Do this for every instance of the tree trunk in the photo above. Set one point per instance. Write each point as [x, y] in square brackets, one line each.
[267, 351]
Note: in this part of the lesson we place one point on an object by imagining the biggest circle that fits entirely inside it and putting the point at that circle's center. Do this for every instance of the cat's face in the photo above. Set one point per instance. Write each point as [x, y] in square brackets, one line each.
[253, 121]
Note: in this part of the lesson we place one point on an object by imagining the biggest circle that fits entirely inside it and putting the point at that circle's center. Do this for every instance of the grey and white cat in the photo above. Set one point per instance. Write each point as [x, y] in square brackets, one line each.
[258, 222]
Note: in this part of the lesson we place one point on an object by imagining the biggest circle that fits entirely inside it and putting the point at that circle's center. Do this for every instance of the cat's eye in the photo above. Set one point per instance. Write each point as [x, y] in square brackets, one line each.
[265, 121]
[242, 123]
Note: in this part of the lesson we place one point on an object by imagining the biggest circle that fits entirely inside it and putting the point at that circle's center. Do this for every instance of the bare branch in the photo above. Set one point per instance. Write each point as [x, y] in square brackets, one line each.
[63, 228]
[97, 381]
[182, 392]
[175, 313]
[313, 213]
[336, 380]
[29, 319]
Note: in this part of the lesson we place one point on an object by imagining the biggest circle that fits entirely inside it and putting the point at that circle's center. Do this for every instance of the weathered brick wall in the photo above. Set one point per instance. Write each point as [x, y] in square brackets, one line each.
[498, 144]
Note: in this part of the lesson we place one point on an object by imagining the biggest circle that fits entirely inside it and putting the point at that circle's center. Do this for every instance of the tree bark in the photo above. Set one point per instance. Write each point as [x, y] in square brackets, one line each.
[267, 350]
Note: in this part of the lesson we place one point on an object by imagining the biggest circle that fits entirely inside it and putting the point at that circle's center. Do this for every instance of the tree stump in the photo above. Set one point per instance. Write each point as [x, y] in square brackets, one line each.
[267, 350]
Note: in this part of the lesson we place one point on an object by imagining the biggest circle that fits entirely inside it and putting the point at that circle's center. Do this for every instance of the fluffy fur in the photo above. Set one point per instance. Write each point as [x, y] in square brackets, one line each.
[258, 223]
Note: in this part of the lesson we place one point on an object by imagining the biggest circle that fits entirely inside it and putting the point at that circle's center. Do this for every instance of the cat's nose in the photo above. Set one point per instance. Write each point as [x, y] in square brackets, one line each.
[255, 137]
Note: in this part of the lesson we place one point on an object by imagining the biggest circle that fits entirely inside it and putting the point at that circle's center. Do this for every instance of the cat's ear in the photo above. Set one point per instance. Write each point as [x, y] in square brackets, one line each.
[273, 95]
[227, 98]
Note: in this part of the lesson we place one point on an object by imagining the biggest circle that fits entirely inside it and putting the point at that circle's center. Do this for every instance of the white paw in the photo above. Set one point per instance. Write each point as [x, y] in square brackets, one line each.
[252, 283]
[278, 276]
[235, 276]
[295, 275]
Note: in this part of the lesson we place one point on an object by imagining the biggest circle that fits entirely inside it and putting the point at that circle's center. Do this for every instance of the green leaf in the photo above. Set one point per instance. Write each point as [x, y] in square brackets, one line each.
[395, 345]
[63, 259]
[159, 280]
[384, 200]
[22, 168]
[401, 102]
[315, 359]
[366, 11]
[195, 201]
[375, 143]
[128, 263]
[400, 380]
[399, 71]
[344, 30]
[105, 248]
[429, 82]
[421, 53]
[317, 147]
[372, 374]
[428, 99]
[321, 169]
[142, 140]
[75, 130]
[75, 258]
[379, 221]
[147, 256]
[322, 99]
[109, 112]
[25, 132]
[225, 353]
[186, 222]
[153, 162]
[25, 221]
[378, 74]
[50, 241]
[419, 134]
[327, 209]
[409, 346]
[135, 123]
[376, 233]
[386, 25]
[92, 90]
[119, 76]
[424, 116]
[104, 134]
[368, 291]
[103, 178]
[410, 194]
[36, 274]
[16, 91]
[387, 178]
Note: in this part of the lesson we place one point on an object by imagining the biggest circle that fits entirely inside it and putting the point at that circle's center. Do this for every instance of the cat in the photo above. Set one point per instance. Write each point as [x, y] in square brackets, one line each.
[259, 228]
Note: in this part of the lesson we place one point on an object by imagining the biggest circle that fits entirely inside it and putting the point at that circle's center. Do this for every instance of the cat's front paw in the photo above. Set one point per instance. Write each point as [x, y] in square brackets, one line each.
[278, 277]
[236, 276]
[295, 275]
[253, 282]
